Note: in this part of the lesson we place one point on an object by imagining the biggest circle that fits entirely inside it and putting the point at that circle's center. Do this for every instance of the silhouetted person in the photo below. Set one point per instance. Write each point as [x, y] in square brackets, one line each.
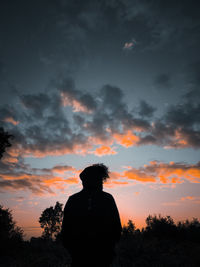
[91, 225]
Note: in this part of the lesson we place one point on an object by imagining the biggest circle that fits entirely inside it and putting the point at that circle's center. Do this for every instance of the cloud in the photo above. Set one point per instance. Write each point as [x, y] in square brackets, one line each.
[77, 122]
[103, 150]
[185, 199]
[160, 172]
[163, 81]
[21, 177]
[38, 181]
[62, 169]
[139, 175]
[36, 104]
[8, 115]
[70, 96]
[11, 120]
[152, 26]
[193, 82]
[127, 139]
[24, 184]
[170, 204]
[129, 45]
[146, 110]
[191, 199]
[63, 120]
[111, 184]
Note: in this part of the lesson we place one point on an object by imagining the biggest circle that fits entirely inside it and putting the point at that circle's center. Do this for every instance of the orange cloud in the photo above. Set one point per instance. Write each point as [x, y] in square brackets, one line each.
[38, 183]
[42, 180]
[111, 183]
[173, 173]
[115, 175]
[180, 139]
[76, 146]
[187, 198]
[95, 140]
[103, 150]
[128, 139]
[69, 100]
[36, 152]
[177, 172]
[141, 176]
[60, 183]
[72, 180]
[11, 120]
[62, 169]
[53, 180]
[9, 159]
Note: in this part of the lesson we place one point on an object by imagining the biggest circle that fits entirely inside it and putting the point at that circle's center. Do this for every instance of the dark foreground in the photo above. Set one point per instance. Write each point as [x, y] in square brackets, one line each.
[160, 244]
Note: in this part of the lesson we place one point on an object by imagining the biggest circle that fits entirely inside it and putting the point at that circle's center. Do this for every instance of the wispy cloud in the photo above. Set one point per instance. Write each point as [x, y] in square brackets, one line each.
[11, 120]
[184, 200]
[20, 177]
[192, 199]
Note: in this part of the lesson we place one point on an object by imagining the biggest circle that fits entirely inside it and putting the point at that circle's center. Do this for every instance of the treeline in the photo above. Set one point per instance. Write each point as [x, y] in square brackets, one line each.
[162, 242]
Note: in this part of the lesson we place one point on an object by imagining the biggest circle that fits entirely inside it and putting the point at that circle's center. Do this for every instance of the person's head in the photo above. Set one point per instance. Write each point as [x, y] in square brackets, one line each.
[94, 176]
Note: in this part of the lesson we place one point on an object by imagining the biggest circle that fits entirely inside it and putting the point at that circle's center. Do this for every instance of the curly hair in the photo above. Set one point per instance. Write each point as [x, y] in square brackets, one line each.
[99, 170]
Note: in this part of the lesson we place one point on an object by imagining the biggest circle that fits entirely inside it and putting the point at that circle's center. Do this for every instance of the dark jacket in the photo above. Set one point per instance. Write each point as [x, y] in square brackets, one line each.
[91, 224]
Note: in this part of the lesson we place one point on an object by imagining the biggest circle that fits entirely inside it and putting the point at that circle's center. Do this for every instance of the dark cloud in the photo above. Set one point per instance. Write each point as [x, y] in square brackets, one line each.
[183, 115]
[192, 74]
[37, 104]
[70, 120]
[179, 127]
[2, 71]
[24, 184]
[64, 120]
[156, 24]
[66, 33]
[145, 110]
[162, 81]
[8, 111]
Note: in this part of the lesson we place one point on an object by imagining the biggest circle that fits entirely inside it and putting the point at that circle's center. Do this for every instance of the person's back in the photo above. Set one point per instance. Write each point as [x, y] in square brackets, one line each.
[91, 225]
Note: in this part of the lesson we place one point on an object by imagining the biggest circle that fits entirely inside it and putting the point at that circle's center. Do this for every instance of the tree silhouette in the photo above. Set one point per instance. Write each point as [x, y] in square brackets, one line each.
[129, 228]
[160, 226]
[189, 229]
[8, 228]
[4, 141]
[51, 220]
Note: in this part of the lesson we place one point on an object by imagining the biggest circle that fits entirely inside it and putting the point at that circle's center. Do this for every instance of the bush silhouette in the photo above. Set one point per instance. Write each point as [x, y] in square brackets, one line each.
[8, 229]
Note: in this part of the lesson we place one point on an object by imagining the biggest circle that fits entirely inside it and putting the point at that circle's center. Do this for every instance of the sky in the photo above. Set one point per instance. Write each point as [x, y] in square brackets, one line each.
[109, 81]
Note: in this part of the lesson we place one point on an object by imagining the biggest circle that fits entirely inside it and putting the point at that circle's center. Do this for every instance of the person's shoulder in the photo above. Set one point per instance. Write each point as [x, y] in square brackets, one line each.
[107, 195]
[75, 196]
